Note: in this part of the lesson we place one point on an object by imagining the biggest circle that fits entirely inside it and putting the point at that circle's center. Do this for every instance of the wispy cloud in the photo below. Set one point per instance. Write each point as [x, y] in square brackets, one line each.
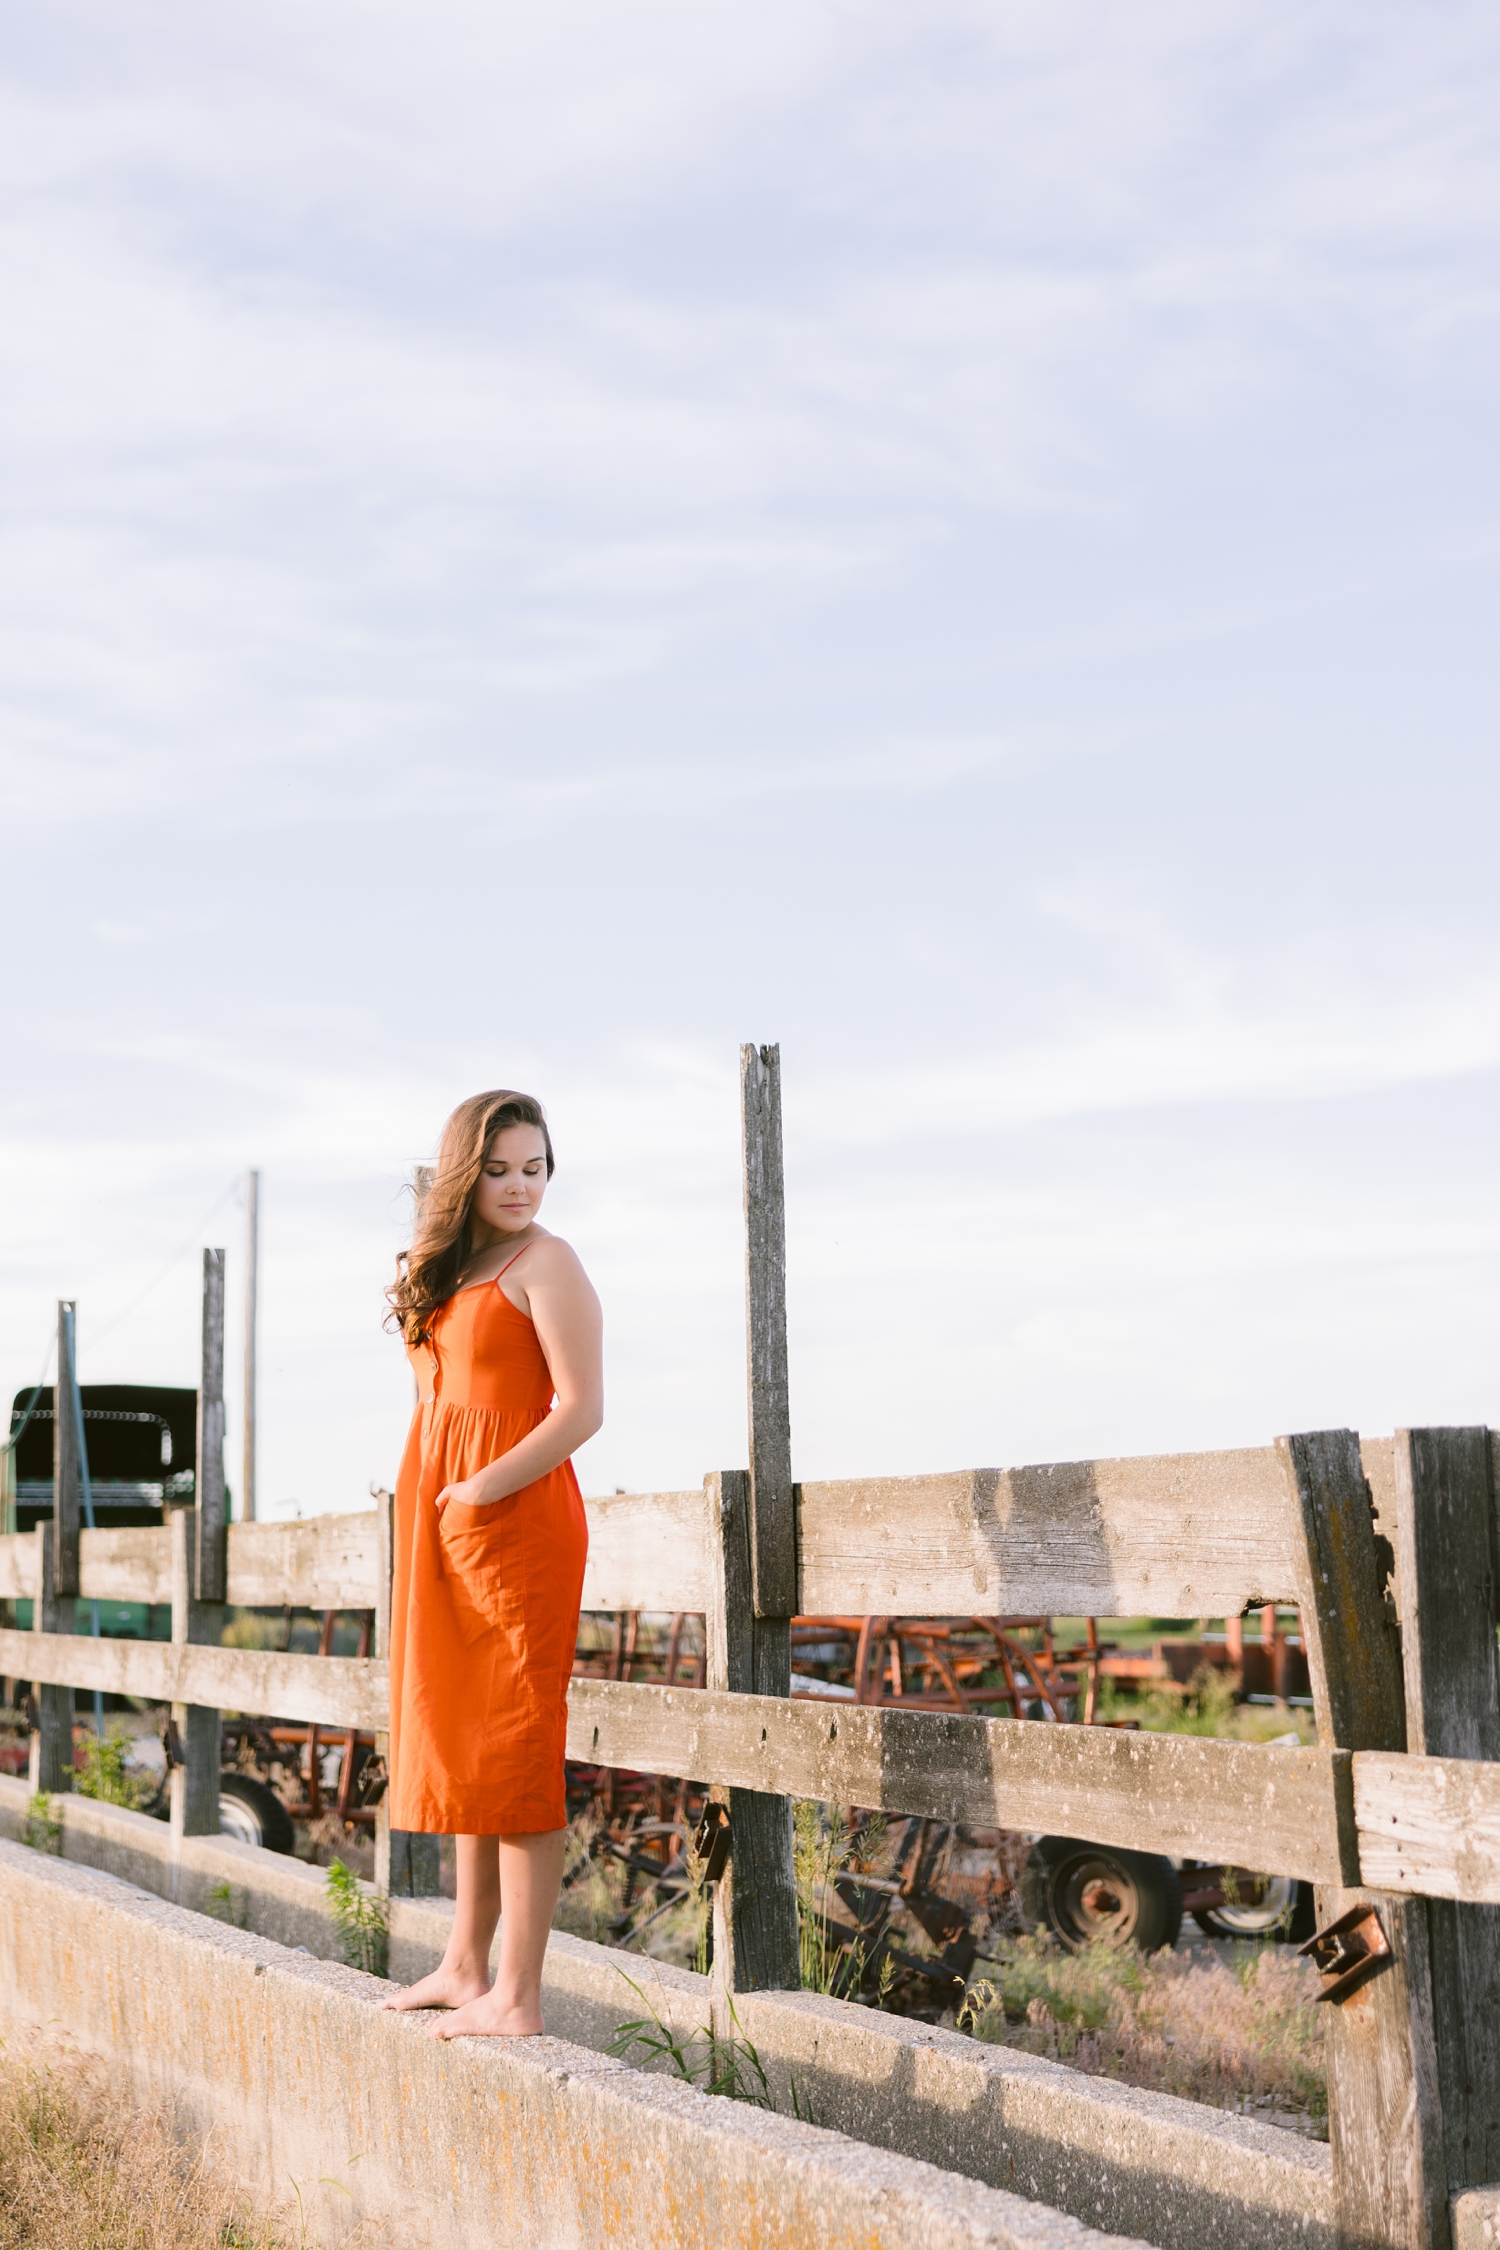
[538, 543]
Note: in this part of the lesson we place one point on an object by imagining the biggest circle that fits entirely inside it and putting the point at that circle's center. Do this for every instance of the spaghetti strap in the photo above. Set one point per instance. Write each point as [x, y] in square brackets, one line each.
[505, 1269]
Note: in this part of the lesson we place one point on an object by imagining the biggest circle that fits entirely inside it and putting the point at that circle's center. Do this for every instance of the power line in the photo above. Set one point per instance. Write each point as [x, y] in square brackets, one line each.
[9, 1444]
[176, 1258]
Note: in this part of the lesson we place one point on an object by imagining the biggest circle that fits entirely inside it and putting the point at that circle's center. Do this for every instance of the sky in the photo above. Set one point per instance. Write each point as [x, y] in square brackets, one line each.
[539, 545]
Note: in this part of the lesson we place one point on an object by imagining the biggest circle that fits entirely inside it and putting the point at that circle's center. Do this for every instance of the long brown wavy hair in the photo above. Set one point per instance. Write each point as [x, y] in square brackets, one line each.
[427, 1274]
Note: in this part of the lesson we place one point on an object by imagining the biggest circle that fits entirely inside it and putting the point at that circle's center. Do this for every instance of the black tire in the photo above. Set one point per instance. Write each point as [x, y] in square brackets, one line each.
[254, 1814]
[1304, 1916]
[1082, 1892]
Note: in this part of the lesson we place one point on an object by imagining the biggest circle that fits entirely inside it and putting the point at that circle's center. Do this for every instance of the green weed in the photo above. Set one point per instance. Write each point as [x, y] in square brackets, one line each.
[730, 2068]
[823, 1848]
[1208, 1708]
[226, 1903]
[44, 1826]
[362, 1918]
[105, 1774]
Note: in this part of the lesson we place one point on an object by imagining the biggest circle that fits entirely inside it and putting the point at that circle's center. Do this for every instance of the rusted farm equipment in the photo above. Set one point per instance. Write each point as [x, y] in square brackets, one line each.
[643, 1823]
[954, 1884]
[254, 1751]
[989, 1664]
[950, 1882]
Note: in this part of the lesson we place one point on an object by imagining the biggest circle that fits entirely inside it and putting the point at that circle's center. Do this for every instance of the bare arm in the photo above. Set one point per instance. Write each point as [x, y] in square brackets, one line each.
[570, 1329]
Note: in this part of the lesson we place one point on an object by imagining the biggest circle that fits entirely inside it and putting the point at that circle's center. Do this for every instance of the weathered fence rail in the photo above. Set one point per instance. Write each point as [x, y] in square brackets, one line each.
[1180, 1535]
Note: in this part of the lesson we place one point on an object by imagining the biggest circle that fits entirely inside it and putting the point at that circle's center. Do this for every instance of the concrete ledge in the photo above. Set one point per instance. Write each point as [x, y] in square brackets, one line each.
[270, 1892]
[1175, 2172]
[532, 2143]
[1476, 2219]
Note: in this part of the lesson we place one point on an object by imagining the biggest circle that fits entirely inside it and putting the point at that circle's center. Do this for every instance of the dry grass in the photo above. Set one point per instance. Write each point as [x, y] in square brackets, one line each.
[81, 2170]
[1243, 2034]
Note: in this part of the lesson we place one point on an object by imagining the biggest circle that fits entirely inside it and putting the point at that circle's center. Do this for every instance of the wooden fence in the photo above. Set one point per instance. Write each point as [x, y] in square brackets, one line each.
[1389, 1551]
[1217, 1537]
[1401, 1795]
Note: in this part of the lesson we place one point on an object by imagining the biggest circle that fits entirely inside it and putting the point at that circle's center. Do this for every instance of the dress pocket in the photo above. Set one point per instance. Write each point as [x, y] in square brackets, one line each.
[469, 1533]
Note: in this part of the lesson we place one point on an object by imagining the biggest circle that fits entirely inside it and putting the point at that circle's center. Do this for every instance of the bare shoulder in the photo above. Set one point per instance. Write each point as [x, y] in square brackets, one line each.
[553, 1264]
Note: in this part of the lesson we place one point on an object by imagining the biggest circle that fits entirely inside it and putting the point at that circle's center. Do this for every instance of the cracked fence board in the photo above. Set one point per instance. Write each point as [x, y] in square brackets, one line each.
[319, 1562]
[1448, 1576]
[1185, 1535]
[1385, 2123]
[647, 1550]
[1202, 1535]
[1284, 1811]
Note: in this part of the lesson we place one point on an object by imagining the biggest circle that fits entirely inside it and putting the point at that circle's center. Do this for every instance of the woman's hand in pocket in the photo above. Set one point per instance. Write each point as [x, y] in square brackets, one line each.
[468, 1495]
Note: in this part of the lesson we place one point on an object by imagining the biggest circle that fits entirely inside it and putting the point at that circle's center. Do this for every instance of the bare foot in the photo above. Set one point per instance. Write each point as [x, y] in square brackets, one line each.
[492, 2017]
[445, 1988]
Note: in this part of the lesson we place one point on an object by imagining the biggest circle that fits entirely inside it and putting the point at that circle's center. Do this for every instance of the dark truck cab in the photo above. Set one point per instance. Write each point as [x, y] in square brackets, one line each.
[142, 1442]
[142, 1445]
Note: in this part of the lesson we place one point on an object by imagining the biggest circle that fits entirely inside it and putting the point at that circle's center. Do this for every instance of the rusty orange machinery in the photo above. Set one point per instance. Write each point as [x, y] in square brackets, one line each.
[361, 1775]
[978, 1664]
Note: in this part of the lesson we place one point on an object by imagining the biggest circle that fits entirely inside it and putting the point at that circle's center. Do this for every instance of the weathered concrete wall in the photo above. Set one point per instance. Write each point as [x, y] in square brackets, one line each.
[1476, 2219]
[1175, 2172]
[270, 1893]
[531, 2144]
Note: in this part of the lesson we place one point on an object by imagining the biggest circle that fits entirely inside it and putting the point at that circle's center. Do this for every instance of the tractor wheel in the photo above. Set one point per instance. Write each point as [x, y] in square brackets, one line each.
[254, 1814]
[1280, 1907]
[1082, 1892]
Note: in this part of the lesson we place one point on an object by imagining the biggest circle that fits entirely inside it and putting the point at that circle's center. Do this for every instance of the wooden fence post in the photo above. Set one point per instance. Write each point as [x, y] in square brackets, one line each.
[252, 1308]
[755, 1900]
[773, 1529]
[1385, 2120]
[407, 1865]
[1448, 1589]
[208, 1511]
[50, 1762]
[195, 1782]
[752, 1550]
[384, 1503]
[66, 1480]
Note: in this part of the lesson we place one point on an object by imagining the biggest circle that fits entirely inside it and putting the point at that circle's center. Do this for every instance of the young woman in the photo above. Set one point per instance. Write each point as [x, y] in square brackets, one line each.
[499, 1320]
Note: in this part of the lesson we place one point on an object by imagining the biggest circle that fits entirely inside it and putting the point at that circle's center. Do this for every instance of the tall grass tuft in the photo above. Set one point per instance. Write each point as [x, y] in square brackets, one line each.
[105, 1774]
[363, 1921]
[824, 1847]
[1208, 1708]
[730, 2067]
[43, 1830]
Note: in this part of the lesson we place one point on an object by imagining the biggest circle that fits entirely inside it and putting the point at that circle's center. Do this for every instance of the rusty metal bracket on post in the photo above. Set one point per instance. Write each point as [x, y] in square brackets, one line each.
[1348, 1952]
[711, 1842]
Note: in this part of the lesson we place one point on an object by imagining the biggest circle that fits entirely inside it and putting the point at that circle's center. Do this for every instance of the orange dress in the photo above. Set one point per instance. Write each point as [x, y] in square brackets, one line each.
[484, 1605]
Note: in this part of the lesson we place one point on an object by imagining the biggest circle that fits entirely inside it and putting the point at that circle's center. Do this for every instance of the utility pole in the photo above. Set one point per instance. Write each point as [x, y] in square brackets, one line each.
[252, 1287]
